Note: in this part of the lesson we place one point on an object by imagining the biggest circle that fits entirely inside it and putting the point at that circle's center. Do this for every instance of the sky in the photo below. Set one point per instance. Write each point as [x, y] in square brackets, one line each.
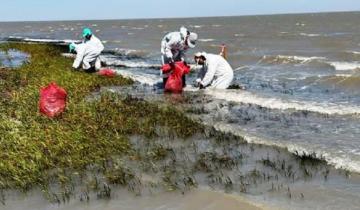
[44, 10]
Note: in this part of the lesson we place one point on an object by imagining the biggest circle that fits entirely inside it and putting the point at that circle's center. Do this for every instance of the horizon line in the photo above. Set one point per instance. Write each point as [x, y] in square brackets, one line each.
[162, 18]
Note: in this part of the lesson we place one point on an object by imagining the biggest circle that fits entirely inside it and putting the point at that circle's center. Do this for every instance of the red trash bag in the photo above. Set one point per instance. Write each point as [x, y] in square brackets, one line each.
[107, 73]
[52, 100]
[174, 82]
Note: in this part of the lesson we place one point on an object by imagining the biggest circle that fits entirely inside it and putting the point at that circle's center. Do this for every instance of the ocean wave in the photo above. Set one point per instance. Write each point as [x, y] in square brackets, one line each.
[137, 28]
[300, 24]
[315, 60]
[338, 81]
[288, 59]
[128, 63]
[141, 77]
[239, 35]
[310, 35]
[339, 160]
[252, 98]
[275, 103]
[196, 26]
[115, 62]
[206, 40]
[354, 52]
[130, 53]
[38, 40]
[344, 66]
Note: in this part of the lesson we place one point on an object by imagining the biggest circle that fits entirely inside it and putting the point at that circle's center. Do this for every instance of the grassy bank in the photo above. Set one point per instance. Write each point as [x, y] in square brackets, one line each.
[36, 150]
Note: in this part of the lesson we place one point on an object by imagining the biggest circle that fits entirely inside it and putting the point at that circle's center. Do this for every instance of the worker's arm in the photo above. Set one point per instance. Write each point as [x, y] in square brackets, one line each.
[209, 76]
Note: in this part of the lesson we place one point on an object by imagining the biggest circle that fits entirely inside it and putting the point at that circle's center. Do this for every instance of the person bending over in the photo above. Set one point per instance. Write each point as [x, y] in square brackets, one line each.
[173, 48]
[215, 71]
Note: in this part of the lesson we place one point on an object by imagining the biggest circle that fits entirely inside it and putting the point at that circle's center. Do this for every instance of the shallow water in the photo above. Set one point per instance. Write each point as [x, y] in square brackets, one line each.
[12, 58]
[197, 199]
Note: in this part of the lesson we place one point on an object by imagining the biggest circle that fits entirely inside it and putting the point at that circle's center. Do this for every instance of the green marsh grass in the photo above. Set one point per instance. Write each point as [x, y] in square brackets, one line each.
[37, 151]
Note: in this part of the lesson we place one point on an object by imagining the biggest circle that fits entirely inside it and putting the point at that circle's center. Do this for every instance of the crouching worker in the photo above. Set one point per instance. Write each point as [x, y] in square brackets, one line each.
[215, 72]
[174, 83]
[88, 52]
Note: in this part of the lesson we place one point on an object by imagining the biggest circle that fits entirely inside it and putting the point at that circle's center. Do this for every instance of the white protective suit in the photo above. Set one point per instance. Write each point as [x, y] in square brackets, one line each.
[173, 46]
[96, 43]
[216, 72]
[87, 54]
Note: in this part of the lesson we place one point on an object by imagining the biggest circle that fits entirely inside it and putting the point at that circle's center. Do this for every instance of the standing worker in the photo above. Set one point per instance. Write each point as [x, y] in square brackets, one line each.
[174, 46]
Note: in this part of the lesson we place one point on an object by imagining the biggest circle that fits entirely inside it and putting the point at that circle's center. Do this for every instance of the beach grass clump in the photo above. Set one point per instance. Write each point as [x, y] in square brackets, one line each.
[36, 150]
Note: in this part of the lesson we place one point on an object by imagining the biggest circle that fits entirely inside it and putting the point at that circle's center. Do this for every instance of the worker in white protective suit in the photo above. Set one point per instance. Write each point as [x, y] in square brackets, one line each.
[92, 40]
[174, 46]
[88, 52]
[215, 72]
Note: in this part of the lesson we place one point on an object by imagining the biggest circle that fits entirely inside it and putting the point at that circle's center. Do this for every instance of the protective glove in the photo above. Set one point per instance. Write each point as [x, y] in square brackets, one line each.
[172, 63]
[197, 82]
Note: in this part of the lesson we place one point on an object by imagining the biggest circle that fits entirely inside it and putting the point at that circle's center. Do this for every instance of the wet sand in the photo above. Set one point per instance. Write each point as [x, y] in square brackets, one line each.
[196, 199]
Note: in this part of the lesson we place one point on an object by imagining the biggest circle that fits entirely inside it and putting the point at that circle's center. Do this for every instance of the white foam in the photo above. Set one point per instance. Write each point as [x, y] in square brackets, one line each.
[127, 51]
[44, 40]
[354, 52]
[241, 68]
[340, 161]
[292, 59]
[127, 63]
[343, 75]
[239, 35]
[300, 24]
[310, 35]
[345, 66]
[206, 40]
[275, 103]
[143, 78]
[196, 26]
[302, 59]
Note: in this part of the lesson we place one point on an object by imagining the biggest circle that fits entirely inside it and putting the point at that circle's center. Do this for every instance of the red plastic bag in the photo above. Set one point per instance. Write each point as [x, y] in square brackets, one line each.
[107, 73]
[52, 100]
[174, 82]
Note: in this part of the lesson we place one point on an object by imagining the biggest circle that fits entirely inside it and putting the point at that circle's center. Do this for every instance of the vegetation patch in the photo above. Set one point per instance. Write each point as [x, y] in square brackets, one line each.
[38, 151]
